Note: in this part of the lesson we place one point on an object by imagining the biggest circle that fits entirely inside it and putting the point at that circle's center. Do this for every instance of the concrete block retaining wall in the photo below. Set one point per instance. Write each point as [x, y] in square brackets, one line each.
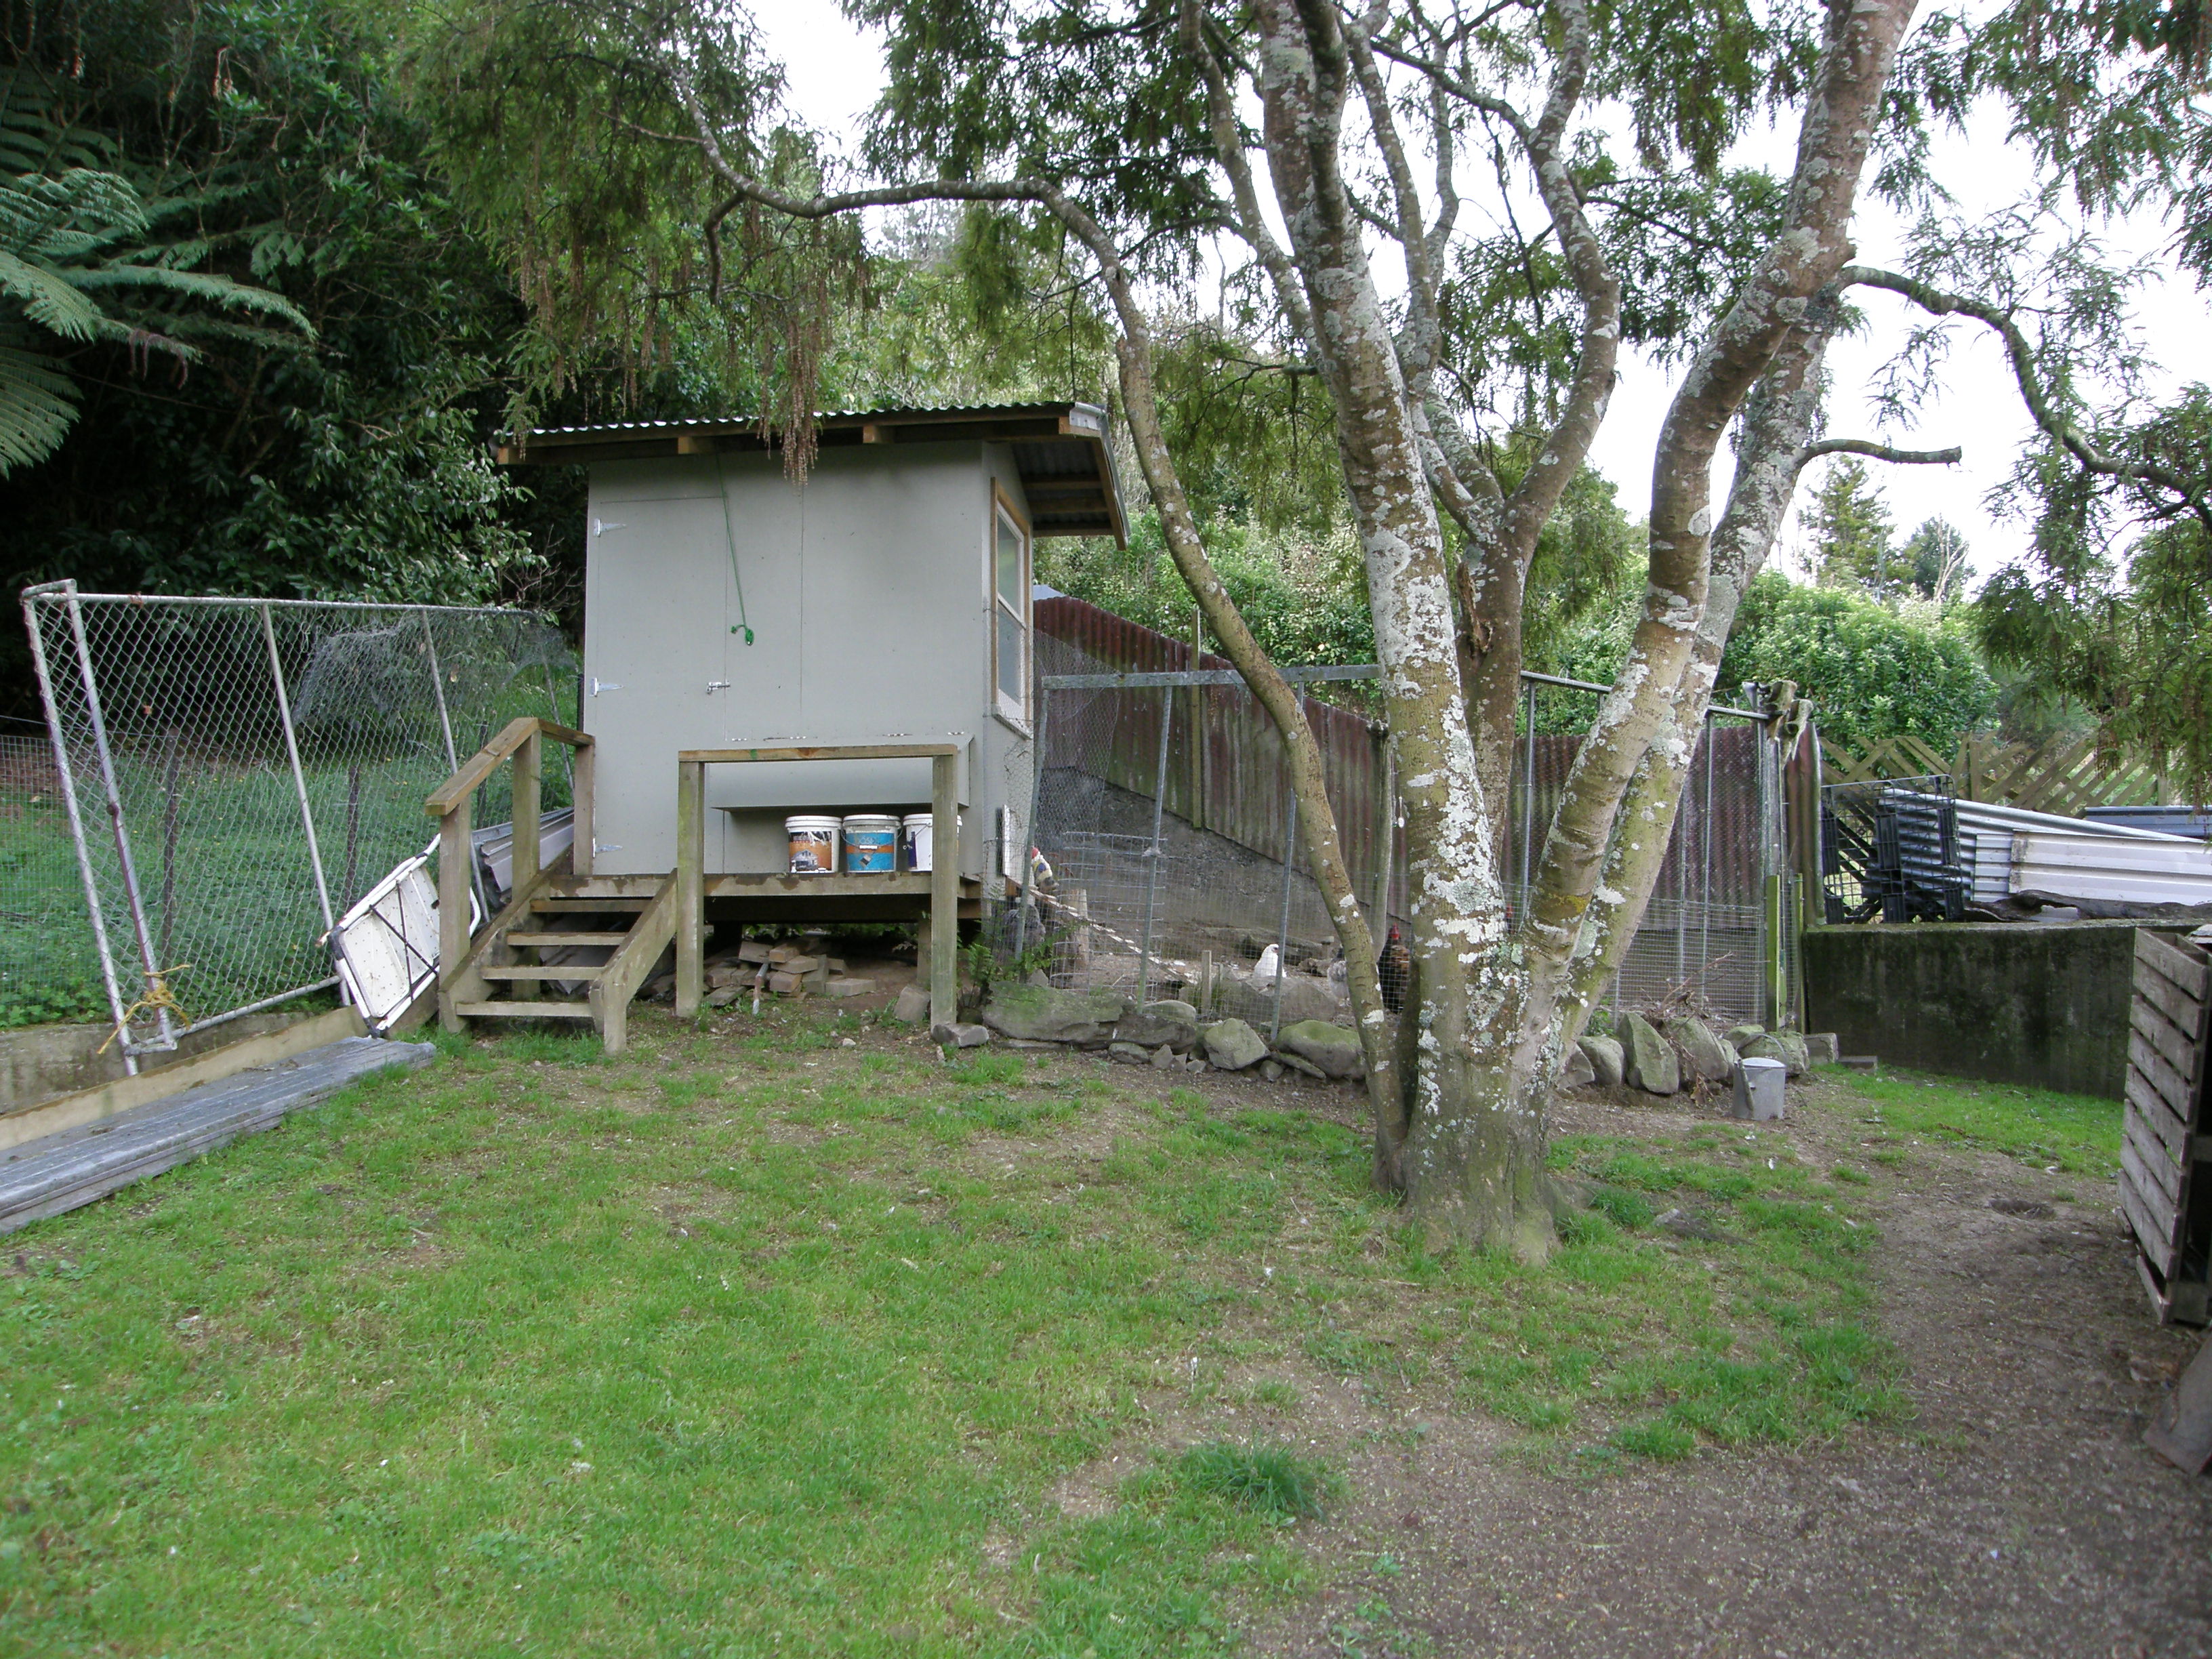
[2043, 1004]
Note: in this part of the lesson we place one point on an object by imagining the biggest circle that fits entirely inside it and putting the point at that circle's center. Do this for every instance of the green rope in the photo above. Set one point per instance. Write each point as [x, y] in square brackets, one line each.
[730, 536]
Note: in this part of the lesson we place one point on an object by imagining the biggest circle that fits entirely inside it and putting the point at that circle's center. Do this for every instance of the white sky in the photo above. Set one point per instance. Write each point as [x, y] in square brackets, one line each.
[835, 72]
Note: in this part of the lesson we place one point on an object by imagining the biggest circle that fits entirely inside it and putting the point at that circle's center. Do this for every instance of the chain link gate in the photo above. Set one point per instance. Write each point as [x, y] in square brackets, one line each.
[237, 773]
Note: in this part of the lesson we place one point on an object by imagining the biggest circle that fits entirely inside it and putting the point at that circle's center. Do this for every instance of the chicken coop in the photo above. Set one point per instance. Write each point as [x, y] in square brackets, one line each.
[800, 701]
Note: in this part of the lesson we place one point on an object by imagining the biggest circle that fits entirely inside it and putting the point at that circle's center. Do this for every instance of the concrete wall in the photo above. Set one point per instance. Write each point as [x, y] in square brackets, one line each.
[2043, 1004]
[40, 1061]
[868, 591]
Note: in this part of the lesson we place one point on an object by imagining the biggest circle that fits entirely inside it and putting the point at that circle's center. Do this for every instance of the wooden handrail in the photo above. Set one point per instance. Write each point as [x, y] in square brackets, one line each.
[848, 751]
[478, 766]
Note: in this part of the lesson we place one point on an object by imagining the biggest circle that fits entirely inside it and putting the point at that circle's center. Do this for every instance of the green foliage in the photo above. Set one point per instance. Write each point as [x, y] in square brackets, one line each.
[1870, 672]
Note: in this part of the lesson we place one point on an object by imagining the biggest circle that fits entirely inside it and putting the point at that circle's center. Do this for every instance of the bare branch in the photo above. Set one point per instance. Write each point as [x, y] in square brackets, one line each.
[1819, 446]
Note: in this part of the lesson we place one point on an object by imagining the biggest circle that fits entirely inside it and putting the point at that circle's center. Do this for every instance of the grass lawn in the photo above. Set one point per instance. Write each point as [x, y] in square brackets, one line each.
[789, 1339]
[2079, 1135]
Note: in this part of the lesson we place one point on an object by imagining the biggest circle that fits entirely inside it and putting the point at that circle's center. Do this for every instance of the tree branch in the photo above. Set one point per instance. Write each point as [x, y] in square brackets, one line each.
[1812, 452]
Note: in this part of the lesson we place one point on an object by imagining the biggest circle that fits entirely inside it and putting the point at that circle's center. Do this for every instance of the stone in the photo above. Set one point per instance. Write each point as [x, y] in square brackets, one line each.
[1193, 1064]
[779, 954]
[753, 950]
[847, 987]
[1175, 1023]
[1821, 1049]
[1740, 1034]
[1333, 1048]
[1163, 1059]
[1710, 1059]
[1606, 1061]
[961, 1037]
[1577, 1072]
[912, 1006]
[1135, 1052]
[1047, 1016]
[1231, 1045]
[836, 964]
[1787, 1047]
[1651, 1065]
[800, 965]
[1305, 998]
[783, 984]
[1299, 1063]
[1271, 1070]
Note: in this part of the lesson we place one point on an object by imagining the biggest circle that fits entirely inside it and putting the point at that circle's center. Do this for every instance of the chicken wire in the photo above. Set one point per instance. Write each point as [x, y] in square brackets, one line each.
[1140, 895]
[236, 774]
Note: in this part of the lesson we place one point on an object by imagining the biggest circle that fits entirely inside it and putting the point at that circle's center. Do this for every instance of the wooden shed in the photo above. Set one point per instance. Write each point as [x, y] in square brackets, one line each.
[756, 648]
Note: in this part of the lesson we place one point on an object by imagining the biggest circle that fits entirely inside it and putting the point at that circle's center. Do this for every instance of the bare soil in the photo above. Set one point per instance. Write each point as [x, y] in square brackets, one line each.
[2018, 1514]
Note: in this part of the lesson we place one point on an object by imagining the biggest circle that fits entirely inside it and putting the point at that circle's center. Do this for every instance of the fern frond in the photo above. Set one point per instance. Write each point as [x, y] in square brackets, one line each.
[37, 405]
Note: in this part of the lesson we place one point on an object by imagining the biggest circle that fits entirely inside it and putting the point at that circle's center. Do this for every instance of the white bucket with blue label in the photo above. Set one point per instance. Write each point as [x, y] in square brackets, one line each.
[870, 844]
[921, 832]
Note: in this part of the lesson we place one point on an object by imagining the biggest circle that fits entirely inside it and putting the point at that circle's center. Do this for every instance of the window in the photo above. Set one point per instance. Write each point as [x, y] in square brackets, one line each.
[1010, 610]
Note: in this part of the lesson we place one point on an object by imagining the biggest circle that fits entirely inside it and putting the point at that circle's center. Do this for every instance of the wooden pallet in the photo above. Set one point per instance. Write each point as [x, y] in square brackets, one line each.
[2166, 1148]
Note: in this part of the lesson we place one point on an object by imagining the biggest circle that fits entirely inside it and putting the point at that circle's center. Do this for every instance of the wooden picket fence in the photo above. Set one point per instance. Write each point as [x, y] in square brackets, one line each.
[2063, 775]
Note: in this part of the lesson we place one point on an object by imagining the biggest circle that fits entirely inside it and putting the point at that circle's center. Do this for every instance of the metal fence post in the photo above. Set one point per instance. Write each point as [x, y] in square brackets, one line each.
[130, 894]
[299, 776]
[1153, 853]
[438, 689]
[115, 1003]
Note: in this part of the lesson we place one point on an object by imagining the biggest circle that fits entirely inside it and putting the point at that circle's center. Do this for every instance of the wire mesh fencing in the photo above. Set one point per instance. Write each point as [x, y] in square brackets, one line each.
[1164, 810]
[236, 774]
[49, 966]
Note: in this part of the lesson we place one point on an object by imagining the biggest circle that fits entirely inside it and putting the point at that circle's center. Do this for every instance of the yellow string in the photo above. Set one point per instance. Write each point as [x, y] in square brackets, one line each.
[158, 996]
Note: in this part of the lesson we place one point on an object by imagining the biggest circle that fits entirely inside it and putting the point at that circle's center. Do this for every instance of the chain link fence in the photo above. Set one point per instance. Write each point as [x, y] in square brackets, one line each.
[1164, 810]
[235, 774]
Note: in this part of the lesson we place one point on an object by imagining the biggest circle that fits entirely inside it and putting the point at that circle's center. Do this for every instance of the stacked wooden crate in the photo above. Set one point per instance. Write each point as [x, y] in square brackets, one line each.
[2165, 1152]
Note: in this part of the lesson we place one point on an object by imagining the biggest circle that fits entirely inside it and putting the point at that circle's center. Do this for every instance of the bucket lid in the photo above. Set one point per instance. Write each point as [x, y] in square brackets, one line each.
[913, 818]
[1761, 1063]
[872, 821]
[810, 821]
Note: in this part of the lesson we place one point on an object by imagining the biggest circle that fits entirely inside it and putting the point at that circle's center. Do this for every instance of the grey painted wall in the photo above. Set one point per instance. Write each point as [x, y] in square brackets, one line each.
[868, 593]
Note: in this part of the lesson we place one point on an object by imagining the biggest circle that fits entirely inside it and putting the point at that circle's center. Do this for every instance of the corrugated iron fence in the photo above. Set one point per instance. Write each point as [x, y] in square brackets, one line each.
[1190, 907]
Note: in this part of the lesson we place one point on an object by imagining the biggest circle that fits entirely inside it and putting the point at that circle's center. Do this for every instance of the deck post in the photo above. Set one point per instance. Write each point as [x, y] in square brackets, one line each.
[944, 892]
[528, 777]
[581, 773]
[691, 883]
[453, 890]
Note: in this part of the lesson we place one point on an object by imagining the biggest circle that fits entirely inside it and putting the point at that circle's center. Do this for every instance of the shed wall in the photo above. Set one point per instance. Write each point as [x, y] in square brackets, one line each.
[867, 591]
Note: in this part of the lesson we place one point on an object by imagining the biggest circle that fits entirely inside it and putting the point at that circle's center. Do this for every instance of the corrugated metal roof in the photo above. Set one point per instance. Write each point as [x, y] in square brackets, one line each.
[1059, 448]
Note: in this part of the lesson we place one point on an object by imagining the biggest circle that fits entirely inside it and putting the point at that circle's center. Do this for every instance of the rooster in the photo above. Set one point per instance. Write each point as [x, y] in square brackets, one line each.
[1394, 968]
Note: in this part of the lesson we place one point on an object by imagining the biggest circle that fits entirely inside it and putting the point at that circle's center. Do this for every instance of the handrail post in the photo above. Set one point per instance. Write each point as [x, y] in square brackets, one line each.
[944, 892]
[454, 858]
[583, 771]
[528, 778]
[691, 882]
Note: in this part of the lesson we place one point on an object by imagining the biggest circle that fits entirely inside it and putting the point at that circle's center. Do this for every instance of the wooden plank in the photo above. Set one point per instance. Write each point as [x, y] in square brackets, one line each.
[588, 904]
[536, 970]
[2153, 1289]
[583, 783]
[2156, 1159]
[609, 937]
[528, 829]
[69, 1169]
[2169, 1083]
[72, 1111]
[2179, 1046]
[2169, 999]
[549, 1009]
[480, 765]
[2153, 1234]
[2145, 1103]
[822, 752]
[691, 899]
[627, 968]
[454, 855]
[944, 894]
[2186, 968]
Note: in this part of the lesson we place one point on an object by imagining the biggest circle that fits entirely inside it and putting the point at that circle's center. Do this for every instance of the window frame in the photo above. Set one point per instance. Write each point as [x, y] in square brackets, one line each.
[1014, 711]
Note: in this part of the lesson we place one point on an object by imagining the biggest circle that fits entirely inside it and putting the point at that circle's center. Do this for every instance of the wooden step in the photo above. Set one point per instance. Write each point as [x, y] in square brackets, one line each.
[543, 970]
[523, 1010]
[610, 939]
[590, 906]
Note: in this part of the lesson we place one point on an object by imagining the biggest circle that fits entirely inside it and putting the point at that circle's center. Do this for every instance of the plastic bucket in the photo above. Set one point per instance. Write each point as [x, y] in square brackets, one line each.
[920, 833]
[813, 844]
[872, 844]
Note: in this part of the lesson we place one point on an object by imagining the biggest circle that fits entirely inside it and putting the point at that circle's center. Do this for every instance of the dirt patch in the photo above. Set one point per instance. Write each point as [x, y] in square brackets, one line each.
[2019, 1514]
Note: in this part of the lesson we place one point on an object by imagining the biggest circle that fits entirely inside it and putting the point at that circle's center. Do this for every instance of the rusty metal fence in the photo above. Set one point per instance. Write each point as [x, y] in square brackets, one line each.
[1164, 812]
[233, 775]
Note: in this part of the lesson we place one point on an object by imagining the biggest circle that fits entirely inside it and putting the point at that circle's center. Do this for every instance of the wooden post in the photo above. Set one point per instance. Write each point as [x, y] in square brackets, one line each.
[1777, 980]
[453, 888]
[1197, 727]
[691, 886]
[584, 770]
[943, 892]
[529, 776]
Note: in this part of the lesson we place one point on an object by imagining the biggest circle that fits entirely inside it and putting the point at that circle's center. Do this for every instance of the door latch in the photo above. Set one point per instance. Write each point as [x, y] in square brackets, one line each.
[712, 686]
